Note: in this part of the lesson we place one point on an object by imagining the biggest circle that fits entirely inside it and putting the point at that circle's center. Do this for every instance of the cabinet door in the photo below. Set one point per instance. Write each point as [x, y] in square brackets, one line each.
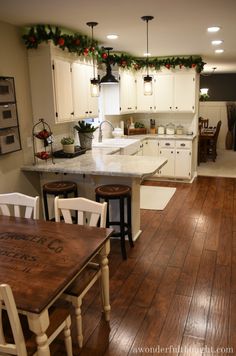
[145, 103]
[150, 148]
[184, 92]
[84, 104]
[168, 170]
[183, 160]
[63, 90]
[127, 92]
[164, 93]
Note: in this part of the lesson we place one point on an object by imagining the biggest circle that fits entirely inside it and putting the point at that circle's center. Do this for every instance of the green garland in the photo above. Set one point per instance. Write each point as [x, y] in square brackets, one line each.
[81, 45]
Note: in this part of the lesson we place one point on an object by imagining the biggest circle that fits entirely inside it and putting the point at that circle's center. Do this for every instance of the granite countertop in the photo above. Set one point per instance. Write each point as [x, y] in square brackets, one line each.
[102, 161]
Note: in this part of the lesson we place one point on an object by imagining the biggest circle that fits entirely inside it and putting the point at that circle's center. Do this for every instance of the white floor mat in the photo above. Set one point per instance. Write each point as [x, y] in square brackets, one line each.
[155, 198]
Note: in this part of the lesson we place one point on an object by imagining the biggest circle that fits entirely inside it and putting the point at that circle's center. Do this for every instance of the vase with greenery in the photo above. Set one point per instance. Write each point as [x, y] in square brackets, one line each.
[85, 131]
[68, 144]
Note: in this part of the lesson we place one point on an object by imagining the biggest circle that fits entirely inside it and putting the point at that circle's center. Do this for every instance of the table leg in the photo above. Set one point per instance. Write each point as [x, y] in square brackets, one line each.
[38, 323]
[103, 260]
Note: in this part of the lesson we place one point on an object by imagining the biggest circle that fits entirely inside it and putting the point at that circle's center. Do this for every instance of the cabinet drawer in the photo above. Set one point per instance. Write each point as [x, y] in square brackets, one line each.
[183, 144]
[167, 143]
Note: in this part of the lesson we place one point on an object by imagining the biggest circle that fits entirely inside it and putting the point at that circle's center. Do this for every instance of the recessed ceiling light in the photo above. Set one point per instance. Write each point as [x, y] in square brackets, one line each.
[112, 36]
[219, 51]
[147, 54]
[213, 29]
[216, 42]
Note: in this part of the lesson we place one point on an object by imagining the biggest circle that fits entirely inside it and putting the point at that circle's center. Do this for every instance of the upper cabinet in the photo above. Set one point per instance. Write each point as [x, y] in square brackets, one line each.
[60, 89]
[85, 106]
[175, 92]
[64, 110]
[127, 92]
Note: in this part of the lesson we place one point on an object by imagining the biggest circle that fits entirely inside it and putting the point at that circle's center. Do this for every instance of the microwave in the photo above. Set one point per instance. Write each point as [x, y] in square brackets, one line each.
[8, 116]
[7, 90]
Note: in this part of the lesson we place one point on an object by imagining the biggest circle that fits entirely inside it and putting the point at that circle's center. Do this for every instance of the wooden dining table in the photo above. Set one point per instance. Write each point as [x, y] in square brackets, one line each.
[40, 259]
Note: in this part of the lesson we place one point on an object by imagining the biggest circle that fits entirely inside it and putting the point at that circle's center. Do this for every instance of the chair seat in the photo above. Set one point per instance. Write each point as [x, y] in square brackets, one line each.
[57, 315]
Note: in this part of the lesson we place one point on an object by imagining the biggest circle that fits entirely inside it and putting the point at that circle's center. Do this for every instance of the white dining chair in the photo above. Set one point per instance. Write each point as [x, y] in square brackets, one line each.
[19, 205]
[18, 340]
[85, 212]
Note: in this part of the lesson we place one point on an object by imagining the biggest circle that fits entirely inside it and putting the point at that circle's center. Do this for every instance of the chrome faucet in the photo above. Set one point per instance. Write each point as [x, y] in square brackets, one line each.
[100, 129]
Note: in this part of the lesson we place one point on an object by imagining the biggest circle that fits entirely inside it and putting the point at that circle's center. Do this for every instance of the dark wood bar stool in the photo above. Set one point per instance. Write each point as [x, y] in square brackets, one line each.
[121, 193]
[58, 188]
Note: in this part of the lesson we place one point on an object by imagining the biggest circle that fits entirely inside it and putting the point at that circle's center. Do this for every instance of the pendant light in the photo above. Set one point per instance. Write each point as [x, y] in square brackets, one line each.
[94, 82]
[147, 80]
[108, 77]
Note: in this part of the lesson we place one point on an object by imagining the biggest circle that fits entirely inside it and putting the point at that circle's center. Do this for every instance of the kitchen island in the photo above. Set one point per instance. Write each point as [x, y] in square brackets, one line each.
[102, 166]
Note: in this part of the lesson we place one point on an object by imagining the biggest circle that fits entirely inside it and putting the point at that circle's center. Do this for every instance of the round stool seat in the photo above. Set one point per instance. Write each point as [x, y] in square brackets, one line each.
[113, 190]
[59, 187]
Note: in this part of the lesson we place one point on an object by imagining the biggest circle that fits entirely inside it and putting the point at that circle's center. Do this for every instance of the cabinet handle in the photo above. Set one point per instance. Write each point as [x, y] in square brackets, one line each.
[167, 144]
[129, 108]
[182, 144]
[193, 107]
[176, 107]
[177, 152]
[72, 113]
[150, 107]
[90, 112]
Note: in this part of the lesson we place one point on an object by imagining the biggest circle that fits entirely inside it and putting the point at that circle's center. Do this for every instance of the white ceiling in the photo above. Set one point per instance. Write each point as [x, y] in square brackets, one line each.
[179, 27]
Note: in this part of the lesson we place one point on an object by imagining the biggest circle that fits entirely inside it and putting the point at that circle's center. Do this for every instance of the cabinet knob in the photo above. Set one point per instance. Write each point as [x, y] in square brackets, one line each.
[177, 152]
[90, 112]
[86, 112]
[72, 113]
[170, 107]
[176, 107]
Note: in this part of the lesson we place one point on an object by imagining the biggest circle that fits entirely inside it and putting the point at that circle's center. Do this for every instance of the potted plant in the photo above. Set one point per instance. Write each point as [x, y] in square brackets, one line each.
[85, 131]
[68, 144]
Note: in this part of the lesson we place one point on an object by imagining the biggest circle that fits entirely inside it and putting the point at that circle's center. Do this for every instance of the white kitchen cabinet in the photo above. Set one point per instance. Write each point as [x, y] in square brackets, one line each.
[183, 159]
[127, 92]
[85, 106]
[150, 147]
[63, 90]
[175, 92]
[51, 86]
[167, 150]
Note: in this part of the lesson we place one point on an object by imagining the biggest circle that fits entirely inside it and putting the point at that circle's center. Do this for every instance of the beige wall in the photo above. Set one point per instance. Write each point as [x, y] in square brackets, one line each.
[13, 62]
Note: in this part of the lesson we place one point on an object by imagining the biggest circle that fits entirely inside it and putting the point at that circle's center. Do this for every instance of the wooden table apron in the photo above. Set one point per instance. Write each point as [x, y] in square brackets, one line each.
[39, 259]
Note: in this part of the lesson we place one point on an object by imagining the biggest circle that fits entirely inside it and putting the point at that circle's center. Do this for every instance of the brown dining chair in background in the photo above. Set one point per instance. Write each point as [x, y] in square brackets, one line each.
[19, 205]
[90, 213]
[212, 143]
[15, 336]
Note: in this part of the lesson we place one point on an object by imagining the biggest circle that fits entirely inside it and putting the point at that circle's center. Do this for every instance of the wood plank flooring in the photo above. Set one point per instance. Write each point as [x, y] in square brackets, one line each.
[176, 293]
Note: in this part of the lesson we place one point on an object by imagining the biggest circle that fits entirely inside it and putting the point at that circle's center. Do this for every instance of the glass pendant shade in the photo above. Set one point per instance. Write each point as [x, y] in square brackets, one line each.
[94, 87]
[147, 80]
[147, 85]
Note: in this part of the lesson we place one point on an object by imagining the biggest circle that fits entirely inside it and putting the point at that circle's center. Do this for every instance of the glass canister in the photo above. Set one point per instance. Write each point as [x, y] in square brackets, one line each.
[170, 129]
[179, 130]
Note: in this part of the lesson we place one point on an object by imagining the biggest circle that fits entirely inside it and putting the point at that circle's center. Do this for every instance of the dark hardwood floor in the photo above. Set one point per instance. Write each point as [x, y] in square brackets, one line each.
[178, 285]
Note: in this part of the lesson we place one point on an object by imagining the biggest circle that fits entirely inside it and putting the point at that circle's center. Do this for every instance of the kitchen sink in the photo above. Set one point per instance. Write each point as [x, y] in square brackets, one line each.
[126, 145]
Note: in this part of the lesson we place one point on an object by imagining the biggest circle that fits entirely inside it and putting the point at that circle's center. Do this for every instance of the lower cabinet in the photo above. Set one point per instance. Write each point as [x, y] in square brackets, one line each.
[178, 154]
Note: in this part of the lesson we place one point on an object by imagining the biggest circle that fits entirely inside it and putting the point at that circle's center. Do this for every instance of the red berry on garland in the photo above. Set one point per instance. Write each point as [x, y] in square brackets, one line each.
[104, 55]
[167, 66]
[61, 41]
[180, 66]
[92, 49]
[123, 63]
[32, 39]
[86, 51]
[193, 65]
[77, 42]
